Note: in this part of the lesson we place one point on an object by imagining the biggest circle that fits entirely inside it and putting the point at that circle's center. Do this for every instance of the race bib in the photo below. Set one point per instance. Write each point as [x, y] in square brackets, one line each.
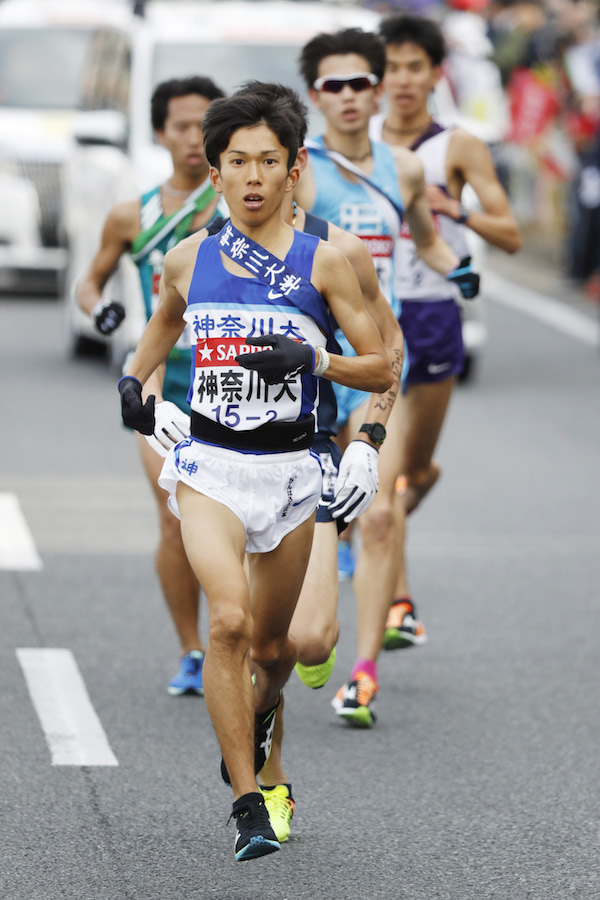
[230, 394]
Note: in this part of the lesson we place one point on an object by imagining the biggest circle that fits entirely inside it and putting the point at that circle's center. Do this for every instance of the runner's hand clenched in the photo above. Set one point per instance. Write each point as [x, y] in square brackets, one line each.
[136, 414]
[287, 358]
[466, 278]
[107, 316]
[171, 425]
[356, 483]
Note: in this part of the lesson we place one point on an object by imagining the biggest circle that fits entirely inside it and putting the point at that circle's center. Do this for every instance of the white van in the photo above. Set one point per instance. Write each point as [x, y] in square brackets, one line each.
[115, 156]
[43, 47]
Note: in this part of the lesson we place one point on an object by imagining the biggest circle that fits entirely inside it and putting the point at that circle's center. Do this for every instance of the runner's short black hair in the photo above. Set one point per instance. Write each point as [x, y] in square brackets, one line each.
[227, 115]
[180, 87]
[349, 40]
[406, 29]
[274, 92]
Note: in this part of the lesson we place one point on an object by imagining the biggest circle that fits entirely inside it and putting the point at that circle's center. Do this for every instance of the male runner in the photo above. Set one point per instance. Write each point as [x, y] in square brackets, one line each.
[367, 188]
[348, 487]
[246, 481]
[147, 228]
[430, 315]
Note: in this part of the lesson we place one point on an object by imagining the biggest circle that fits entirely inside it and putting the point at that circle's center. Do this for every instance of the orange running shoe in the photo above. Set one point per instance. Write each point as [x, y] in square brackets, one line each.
[353, 701]
[402, 628]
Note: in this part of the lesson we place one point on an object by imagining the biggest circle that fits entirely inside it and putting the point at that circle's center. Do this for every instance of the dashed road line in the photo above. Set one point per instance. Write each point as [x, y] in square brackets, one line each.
[73, 731]
[17, 547]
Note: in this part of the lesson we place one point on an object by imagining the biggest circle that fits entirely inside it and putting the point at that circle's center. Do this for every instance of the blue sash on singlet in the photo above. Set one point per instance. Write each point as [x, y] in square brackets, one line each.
[223, 309]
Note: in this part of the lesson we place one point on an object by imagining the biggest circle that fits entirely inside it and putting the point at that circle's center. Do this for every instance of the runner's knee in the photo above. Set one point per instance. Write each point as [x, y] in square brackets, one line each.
[315, 646]
[268, 653]
[418, 474]
[230, 627]
[377, 522]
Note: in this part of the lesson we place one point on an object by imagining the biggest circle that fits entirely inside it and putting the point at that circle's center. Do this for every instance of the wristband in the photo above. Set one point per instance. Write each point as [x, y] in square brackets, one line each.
[463, 215]
[323, 364]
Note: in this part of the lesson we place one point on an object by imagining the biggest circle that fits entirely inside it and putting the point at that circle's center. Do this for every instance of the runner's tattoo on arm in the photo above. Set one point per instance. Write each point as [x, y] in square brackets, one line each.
[387, 400]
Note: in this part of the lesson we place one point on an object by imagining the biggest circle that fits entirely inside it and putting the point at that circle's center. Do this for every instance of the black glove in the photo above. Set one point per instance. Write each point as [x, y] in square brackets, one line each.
[108, 316]
[136, 414]
[285, 360]
[466, 279]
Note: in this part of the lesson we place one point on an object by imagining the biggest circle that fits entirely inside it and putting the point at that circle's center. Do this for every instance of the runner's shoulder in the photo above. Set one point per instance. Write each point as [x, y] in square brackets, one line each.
[184, 253]
[347, 243]
[330, 260]
[463, 143]
[123, 221]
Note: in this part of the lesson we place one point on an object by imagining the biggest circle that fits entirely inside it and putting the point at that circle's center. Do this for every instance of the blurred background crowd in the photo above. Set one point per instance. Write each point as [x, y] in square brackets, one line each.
[530, 70]
[522, 74]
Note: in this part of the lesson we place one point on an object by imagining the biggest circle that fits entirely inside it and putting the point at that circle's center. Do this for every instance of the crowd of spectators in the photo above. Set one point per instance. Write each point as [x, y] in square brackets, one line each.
[539, 97]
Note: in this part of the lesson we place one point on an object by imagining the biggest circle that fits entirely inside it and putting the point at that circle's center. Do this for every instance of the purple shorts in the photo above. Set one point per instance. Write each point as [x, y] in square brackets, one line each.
[433, 337]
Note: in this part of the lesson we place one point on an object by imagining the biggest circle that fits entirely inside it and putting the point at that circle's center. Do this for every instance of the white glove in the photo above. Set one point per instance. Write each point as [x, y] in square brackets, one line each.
[356, 483]
[171, 425]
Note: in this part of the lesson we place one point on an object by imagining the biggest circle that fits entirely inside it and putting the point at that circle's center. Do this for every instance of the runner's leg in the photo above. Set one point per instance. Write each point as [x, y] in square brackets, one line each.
[179, 584]
[215, 542]
[314, 626]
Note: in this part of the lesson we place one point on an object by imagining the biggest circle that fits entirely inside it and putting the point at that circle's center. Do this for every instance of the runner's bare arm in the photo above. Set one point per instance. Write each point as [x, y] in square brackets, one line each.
[336, 280]
[120, 228]
[470, 162]
[431, 247]
[380, 404]
[165, 327]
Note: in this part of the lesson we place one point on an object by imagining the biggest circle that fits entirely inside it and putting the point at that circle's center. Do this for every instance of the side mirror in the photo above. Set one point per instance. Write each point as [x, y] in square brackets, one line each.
[104, 127]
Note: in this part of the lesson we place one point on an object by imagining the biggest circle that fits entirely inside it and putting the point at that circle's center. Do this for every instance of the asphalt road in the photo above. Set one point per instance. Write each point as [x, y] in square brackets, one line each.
[481, 777]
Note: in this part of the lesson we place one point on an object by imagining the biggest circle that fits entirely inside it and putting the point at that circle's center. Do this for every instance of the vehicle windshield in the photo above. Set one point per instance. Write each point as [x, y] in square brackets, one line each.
[263, 62]
[41, 68]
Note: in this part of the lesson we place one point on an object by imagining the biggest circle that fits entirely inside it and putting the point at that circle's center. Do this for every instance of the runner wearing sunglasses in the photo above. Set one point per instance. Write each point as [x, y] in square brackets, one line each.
[335, 84]
[370, 189]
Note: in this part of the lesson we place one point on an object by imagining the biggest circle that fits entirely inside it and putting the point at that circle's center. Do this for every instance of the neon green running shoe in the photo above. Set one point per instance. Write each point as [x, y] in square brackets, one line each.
[280, 806]
[316, 676]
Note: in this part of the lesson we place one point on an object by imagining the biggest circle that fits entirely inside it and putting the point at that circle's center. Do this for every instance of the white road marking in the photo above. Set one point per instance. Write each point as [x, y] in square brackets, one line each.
[73, 730]
[551, 312]
[17, 548]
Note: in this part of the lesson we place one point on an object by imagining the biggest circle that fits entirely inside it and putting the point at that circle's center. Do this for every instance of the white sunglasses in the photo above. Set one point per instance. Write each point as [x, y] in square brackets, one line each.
[334, 84]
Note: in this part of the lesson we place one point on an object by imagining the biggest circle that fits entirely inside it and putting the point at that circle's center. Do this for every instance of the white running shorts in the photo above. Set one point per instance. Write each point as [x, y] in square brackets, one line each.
[271, 493]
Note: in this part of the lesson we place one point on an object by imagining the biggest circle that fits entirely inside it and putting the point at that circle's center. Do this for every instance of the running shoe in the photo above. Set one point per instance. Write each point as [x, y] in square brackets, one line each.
[254, 835]
[280, 806]
[316, 676]
[189, 678]
[264, 723]
[346, 561]
[402, 628]
[353, 701]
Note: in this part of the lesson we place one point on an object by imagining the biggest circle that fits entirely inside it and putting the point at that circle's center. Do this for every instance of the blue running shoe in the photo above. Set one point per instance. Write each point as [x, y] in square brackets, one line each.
[346, 561]
[189, 678]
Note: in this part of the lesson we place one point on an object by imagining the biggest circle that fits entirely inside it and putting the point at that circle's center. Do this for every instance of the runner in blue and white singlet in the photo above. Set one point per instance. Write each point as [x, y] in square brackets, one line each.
[223, 310]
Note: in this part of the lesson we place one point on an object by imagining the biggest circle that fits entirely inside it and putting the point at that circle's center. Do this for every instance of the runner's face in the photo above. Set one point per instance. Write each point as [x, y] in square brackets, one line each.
[254, 177]
[348, 111]
[409, 78]
[182, 134]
